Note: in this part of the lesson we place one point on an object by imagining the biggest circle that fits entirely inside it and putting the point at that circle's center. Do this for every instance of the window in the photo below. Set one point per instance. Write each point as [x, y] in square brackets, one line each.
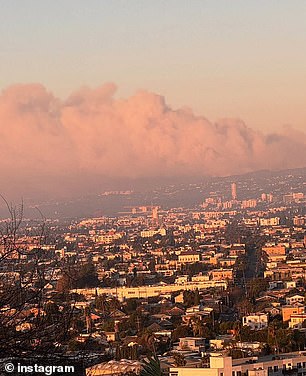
[275, 368]
[269, 369]
[299, 365]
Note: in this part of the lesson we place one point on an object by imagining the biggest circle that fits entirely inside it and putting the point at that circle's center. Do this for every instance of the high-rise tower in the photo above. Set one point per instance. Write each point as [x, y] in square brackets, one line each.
[234, 191]
[155, 218]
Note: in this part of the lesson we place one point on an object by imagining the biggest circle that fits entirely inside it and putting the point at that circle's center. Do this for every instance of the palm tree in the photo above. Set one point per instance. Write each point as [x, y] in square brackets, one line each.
[148, 340]
[151, 367]
[197, 327]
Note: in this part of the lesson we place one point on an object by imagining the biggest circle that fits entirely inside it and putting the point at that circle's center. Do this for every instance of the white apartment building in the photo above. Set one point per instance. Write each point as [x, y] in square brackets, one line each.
[256, 321]
[189, 257]
[269, 221]
[293, 364]
[295, 299]
[148, 291]
[151, 233]
[297, 320]
[108, 238]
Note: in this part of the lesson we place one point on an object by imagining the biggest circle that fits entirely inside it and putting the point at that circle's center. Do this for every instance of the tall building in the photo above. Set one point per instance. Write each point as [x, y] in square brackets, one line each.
[234, 191]
[155, 215]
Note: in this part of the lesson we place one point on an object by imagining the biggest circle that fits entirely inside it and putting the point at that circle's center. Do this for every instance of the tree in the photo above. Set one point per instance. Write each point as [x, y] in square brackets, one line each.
[87, 276]
[198, 327]
[196, 297]
[191, 298]
[179, 359]
[151, 367]
[180, 332]
[106, 304]
[148, 342]
[30, 323]
[245, 307]
[131, 305]
[256, 286]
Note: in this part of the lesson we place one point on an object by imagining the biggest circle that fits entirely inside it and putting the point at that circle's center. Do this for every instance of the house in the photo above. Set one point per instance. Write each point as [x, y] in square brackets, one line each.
[196, 312]
[179, 298]
[237, 250]
[256, 321]
[117, 314]
[181, 280]
[297, 321]
[221, 274]
[289, 310]
[175, 311]
[273, 311]
[193, 343]
[294, 299]
[274, 250]
[189, 257]
[290, 284]
[226, 262]
[111, 336]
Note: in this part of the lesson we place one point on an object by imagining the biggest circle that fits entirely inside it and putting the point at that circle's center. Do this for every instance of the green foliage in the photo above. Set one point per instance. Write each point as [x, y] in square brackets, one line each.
[180, 332]
[106, 304]
[233, 232]
[78, 277]
[126, 352]
[74, 345]
[87, 276]
[256, 286]
[131, 305]
[225, 326]
[151, 367]
[52, 313]
[276, 337]
[194, 268]
[179, 359]
[236, 353]
[191, 298]
[78, 325]
[244, 307]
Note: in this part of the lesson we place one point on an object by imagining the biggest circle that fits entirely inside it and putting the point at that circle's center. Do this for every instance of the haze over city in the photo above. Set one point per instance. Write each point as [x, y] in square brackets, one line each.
[108, 91]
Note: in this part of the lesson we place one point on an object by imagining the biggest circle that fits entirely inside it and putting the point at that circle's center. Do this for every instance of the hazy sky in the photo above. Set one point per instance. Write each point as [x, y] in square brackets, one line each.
[99, 91]
[241, 58]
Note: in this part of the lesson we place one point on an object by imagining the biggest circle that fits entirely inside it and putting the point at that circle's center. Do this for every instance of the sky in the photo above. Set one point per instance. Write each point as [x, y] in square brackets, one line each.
[115, 89]
[242, 58]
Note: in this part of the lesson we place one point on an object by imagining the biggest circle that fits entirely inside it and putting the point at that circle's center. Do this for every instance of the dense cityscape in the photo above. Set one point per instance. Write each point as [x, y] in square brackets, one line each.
[153, 188]
[218, 287]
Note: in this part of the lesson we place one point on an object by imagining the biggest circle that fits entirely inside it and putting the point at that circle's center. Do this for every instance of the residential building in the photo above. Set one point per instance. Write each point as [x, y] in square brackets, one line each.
[256, 321]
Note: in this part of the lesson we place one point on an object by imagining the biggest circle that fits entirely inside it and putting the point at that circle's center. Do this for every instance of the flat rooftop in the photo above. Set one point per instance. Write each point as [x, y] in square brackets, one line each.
[268, 358]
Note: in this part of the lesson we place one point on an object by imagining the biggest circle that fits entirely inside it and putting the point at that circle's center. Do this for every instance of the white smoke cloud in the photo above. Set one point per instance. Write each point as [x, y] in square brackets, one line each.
[92, 134]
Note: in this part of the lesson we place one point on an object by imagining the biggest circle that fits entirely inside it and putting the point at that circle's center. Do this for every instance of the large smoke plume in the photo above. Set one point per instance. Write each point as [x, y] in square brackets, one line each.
[46, 142]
